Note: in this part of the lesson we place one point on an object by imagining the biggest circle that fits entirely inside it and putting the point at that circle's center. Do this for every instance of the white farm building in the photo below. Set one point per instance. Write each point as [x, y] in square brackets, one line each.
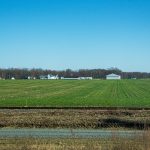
[113, 77]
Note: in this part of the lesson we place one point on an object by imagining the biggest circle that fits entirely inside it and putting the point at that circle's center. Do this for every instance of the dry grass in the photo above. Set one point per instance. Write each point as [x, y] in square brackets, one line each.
[71, 118]
[75, 119]
[114, 143]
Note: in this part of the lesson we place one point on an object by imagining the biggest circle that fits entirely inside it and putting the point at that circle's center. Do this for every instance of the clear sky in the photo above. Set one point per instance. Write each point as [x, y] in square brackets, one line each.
[61, 34]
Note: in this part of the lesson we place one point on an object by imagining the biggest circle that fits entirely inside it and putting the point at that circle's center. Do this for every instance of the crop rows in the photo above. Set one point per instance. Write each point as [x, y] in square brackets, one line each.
[128, 93]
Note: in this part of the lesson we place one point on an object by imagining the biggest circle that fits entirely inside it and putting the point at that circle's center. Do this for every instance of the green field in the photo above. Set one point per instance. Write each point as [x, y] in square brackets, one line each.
[128, 93]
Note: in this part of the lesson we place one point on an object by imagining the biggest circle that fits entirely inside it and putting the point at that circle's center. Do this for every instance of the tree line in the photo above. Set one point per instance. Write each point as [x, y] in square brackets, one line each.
[68, 73]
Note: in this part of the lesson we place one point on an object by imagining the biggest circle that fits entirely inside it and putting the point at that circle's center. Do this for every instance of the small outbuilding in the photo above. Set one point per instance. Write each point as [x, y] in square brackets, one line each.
[113, 77]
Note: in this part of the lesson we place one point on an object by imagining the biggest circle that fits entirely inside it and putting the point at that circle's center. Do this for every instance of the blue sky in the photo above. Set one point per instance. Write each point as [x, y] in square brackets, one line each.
[61, 34]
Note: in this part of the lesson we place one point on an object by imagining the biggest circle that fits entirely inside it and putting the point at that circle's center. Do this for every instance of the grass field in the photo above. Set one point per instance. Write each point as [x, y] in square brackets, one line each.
[128, 93]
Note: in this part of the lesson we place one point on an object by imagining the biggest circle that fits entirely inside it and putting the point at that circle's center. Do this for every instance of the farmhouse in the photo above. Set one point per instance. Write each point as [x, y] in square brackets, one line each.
[113, 77]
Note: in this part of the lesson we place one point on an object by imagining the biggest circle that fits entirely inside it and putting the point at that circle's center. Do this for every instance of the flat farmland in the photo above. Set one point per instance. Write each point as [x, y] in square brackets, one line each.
[104, 93]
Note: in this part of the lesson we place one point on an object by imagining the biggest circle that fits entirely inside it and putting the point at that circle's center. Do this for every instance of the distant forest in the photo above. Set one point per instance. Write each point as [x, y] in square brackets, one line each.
[95, 73]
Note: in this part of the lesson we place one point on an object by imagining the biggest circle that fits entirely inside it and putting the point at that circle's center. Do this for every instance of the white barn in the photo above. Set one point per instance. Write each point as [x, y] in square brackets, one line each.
[113, 77]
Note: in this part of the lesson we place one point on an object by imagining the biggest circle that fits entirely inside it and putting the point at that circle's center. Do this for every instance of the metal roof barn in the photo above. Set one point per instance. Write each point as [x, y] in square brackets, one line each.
[113, 77]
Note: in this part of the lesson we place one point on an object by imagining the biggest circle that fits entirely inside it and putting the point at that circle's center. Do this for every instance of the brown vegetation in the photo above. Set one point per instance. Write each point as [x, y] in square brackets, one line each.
[114, 143]
[71, 118]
